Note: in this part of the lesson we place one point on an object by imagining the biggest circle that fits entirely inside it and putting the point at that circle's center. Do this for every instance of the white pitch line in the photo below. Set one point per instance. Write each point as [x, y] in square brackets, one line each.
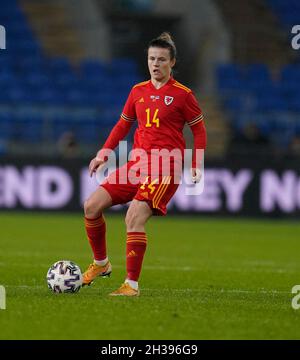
[242, 291]
[266, 266]
[117, 266]
[222, 291]
[256, 263]
[201, 268]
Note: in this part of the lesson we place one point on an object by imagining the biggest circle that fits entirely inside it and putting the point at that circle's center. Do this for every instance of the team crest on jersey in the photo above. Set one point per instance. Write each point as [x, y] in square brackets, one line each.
[168, 100]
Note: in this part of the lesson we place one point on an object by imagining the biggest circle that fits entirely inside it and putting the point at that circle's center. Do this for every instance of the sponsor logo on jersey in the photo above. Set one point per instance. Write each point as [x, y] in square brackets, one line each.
[168, 100]
[154, 97]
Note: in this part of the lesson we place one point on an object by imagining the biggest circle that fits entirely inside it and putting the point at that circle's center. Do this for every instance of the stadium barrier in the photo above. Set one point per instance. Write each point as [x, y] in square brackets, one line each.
[252, 188]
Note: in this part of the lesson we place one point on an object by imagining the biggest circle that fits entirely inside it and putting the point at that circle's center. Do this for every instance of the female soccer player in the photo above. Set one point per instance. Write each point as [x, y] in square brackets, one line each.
[161, 106]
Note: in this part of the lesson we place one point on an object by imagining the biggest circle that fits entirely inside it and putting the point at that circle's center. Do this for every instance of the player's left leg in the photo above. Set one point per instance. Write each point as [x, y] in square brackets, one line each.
[151, 198]
[137, 215]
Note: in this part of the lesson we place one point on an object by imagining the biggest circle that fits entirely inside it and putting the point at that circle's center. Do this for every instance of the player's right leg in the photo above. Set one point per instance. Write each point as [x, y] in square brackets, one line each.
[96, 232]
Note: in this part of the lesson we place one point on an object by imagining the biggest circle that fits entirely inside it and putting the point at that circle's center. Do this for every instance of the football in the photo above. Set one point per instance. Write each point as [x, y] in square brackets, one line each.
[64, 276]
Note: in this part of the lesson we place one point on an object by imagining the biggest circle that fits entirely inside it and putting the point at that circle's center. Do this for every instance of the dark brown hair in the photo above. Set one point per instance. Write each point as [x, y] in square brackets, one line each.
[164, 41]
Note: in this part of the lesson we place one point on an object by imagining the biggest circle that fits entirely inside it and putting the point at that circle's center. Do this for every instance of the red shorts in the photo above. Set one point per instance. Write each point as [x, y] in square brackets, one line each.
[124, 186]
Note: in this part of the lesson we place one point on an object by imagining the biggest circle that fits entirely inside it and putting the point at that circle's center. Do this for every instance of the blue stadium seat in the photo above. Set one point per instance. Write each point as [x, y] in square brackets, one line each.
[37, 78]
[4, 97]
[289, 79]
[297, 127]
[92, 68]
[229, 78]
[257, 77]
[258, 71]
[110, 116]
[17, 95]
[94, 98]
[60, 65]
[62, 124]
[75, 97]
[287, 11]
[123, 66]
[234, 104]
[47, 96]
[67, 81]
[271, 103]
[230, 70]
[30, 128]
[125, 81]
[290, 72]
[6, 126]
[7, 78]
[31, 64]
[294, 103]
[5, 61]
[289, 18]
[88, 130]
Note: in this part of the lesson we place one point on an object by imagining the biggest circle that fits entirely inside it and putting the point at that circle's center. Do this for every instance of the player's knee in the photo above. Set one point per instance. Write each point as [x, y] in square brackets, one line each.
[132, 219]
[92, 209]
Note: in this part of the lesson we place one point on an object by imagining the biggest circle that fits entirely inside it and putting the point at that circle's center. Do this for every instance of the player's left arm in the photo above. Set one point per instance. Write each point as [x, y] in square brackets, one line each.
[199, 133]
[194, 116]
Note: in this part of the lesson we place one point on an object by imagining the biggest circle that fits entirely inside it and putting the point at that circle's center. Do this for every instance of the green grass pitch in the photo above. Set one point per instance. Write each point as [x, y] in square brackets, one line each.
[203, 278]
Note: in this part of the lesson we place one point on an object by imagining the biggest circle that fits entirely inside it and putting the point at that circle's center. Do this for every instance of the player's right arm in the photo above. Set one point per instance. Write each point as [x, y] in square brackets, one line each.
[118, 133]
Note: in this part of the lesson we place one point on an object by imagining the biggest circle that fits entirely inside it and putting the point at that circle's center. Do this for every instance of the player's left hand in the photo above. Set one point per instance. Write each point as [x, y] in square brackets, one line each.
[196, 175]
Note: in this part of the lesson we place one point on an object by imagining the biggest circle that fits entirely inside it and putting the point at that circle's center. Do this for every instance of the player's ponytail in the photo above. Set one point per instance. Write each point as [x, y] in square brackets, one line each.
[165, 41]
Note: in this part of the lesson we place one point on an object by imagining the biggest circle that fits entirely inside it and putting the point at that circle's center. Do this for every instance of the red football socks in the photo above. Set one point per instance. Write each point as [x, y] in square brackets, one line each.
[135, 249]
[96, 229]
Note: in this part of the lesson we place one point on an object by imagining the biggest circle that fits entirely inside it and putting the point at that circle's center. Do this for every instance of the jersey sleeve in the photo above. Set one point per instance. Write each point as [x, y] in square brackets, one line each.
[191, 110]
[118, 133]
[128, 113]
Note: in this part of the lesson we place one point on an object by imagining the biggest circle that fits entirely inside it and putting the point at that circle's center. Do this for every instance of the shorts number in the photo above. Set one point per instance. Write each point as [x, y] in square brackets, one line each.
[150, 186]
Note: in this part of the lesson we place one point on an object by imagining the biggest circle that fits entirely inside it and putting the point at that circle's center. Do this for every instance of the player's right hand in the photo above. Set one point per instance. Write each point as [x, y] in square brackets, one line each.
[94, 165]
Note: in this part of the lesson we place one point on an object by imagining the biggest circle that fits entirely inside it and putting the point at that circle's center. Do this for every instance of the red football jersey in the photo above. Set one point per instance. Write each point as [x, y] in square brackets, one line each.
[161, 114]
